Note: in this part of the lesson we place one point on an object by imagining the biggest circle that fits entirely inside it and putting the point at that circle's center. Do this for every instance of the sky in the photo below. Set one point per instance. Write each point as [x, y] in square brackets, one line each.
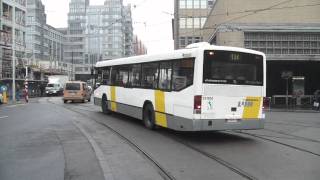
[151, 20]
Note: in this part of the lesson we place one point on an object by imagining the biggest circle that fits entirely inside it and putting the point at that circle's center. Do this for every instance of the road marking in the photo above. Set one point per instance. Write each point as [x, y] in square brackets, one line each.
[2, 117]
[15, 105]
[106, 169]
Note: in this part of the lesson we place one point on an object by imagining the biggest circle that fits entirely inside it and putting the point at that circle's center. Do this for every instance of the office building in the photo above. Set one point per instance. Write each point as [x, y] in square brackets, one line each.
[13, 32]
[189, 17]
[288, 32]
[98, 32]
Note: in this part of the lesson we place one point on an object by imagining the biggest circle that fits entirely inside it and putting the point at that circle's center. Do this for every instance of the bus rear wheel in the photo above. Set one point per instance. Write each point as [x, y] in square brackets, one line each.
[149, 117]
[104, 106]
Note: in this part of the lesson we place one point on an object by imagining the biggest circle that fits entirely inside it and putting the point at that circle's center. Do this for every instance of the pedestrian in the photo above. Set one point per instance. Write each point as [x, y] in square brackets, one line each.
[26, 97]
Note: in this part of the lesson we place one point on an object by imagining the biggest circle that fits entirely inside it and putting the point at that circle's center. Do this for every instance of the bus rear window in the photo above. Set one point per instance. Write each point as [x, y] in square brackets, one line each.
[73, 86]
[228, 67]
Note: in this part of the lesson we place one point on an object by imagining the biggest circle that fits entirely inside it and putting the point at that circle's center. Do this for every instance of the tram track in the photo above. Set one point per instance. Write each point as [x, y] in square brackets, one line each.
[216, 158]
[165, 174]
[277, 142]
[294, 137]
[307, 125]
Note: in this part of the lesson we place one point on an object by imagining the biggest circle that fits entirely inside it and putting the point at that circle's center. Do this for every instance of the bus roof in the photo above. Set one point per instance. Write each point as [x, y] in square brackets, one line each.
[191, 51]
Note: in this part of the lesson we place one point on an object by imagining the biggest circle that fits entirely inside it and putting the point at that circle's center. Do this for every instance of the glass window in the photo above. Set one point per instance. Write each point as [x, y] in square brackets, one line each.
[182, 40]
[189, 23]
[150, 75]
[203, 4]
[202, 21]
[135, 75]
[182, 23]
[120, 76]
[189, 4]
[196, 4]
[196, 22]
[73, 86]
[165, 75]
[182, 75]
[105, 76]
[182, 4]
[226, 67]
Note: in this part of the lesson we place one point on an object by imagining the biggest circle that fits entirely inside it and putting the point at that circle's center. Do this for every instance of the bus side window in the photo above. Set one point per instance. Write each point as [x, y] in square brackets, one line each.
[106, 76]
[165, 76]
[123, 76]
[150, 75]
[114, 72]
[135, 75]
[182, 76]
[99, 76]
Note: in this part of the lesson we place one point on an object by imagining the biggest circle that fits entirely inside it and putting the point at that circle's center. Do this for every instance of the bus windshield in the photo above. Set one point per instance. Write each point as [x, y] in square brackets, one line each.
[228, 67]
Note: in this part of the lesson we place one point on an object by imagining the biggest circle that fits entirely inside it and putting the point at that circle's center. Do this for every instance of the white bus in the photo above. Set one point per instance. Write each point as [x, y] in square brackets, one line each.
[200, 88]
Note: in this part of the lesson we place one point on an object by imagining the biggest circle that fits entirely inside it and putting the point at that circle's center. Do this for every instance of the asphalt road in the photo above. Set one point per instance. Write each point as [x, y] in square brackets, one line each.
[47, 139]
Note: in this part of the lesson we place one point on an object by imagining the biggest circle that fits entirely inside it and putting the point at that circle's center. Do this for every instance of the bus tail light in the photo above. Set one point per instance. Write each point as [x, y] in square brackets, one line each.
[197, 105]
[266, 103]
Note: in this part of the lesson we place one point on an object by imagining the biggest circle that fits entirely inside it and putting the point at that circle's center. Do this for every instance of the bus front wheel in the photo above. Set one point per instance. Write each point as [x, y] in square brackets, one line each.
[149, 117]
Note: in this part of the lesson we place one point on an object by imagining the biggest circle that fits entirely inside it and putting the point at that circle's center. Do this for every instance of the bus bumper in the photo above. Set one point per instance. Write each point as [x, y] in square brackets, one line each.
[183, 124]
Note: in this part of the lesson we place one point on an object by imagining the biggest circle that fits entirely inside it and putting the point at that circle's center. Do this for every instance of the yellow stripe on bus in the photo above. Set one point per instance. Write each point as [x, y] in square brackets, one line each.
[252, 111]
[113, 98]
[161, 118]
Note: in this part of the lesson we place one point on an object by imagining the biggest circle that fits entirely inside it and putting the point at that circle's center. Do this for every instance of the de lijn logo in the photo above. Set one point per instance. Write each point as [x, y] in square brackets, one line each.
[210, 105]
[209, 102]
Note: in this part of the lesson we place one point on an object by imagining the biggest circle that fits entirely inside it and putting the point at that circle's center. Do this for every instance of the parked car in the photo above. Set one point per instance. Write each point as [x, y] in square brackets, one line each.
[76, 91]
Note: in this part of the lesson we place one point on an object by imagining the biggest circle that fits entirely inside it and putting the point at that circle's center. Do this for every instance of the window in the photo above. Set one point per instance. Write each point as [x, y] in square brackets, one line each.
[73, 86]
[135, 75]
[150, 75]
[196, 22]
[182, 4]
[189, 23]
[203, 4]
[203, 21]
[196, 4]
[120, 76]
[189, 4]
[226, 67]
[165, 75]
[105, 76]
[182, 23]
[182, 75]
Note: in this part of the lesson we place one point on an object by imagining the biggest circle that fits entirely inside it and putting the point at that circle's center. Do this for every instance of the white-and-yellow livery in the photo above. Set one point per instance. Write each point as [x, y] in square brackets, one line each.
[200, 88]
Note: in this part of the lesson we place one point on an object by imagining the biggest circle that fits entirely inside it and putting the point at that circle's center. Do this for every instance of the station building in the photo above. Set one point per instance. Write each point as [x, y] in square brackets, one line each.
[287, 31]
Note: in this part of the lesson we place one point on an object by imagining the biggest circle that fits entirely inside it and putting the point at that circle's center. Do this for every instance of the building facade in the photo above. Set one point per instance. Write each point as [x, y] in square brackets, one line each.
[13, 33]
[44, 44]
[189, 18]
[138, 46]
[76, 36]
[288, 32]
[97, 32]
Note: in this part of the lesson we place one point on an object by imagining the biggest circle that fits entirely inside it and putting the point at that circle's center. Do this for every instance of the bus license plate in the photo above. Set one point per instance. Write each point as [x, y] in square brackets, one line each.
[232, 120]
